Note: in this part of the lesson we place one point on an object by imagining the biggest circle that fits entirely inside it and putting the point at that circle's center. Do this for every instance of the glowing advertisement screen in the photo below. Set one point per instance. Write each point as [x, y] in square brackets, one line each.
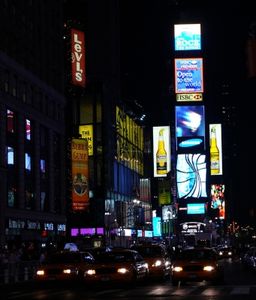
[187, 37]
[188, 75]
[218, 199]
[157, 226]
[190, 121]
[215, 138]
[195, 208]
[191, 175]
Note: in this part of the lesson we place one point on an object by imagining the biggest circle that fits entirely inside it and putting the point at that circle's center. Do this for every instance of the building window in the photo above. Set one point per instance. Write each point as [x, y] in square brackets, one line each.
[28, 161]
[10, 121]
[28, 130]
[10, 156]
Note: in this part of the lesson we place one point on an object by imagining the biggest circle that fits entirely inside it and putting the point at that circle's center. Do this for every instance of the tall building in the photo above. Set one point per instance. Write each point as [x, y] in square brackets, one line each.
[32, 135]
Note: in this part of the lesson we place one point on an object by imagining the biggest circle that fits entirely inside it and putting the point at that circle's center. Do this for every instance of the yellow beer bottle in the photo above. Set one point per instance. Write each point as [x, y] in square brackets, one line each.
[214, 153]
[161, 155]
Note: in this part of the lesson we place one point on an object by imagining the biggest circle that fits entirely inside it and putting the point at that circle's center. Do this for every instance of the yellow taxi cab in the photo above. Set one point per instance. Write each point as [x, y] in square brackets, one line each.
[196, 264]
[157, 258]
[64, 265]
[117, 265]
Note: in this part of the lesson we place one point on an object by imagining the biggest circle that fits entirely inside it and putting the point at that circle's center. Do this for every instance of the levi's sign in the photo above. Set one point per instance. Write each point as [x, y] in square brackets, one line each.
[78, 58]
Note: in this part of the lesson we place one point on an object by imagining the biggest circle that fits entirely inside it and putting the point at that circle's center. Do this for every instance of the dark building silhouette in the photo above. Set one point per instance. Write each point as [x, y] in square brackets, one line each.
[32, 135]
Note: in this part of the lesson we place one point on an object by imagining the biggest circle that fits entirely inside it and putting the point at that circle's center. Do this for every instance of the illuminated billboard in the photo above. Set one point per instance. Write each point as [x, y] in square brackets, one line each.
[190, 121]
[195, 208]
[161, 151]
[188, 75]
[80, 186]
[130, 142]
[218, 199]
[164, 192]
[157, 230]
[215, 139]
[78, 58]
[86, 132]
[187, 37]
[191, 176]
[197, 97]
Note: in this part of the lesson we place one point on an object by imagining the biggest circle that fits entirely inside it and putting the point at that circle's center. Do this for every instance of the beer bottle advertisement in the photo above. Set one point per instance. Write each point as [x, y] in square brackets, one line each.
[161, 138]
[215, 149]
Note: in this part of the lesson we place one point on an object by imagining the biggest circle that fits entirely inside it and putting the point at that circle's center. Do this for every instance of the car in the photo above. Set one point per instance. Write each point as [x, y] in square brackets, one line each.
[249, 258]
[225, 251]
[157, 258]
[117, 266]
[64, 265]
[196, 264]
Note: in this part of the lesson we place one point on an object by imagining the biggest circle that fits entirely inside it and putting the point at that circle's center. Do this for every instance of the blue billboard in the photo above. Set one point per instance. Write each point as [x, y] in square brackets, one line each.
[187, 37]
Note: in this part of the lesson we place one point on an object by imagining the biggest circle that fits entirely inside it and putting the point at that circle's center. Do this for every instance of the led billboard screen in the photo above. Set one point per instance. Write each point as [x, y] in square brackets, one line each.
[190, 121]
[195, 208]
[187, 37]
[191, 176]
[188, 75]
[218, 199]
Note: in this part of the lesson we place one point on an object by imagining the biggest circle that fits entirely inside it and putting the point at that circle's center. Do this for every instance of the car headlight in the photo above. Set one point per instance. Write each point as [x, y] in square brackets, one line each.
[157, 263]
[67, 271]
[122, 270]
[177, 269]
[40, 273]
[208, 268]
[90, 272]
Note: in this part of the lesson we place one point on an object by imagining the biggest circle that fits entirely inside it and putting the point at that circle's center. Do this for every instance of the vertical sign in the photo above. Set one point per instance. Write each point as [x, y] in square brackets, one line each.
[86, 132]
[80, 188]
[78, 58]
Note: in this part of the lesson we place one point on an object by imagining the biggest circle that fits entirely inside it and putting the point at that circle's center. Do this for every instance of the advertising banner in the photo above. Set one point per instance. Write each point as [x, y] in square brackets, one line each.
[188, 75]
[80, 188]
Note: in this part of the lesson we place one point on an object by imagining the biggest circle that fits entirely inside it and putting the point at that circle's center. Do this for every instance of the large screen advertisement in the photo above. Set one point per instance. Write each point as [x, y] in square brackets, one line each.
[195, 208]
[161, 151]
[215, 149]
[187, 37]
[218, 199]
[188, 75]
[190, 121]
[191, 176]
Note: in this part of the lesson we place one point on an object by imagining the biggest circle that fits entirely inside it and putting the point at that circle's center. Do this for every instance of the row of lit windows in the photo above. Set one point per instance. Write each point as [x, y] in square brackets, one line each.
[12, 164]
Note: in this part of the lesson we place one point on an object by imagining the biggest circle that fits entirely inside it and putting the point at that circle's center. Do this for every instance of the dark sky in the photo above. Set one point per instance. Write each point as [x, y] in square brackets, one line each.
[147, 45]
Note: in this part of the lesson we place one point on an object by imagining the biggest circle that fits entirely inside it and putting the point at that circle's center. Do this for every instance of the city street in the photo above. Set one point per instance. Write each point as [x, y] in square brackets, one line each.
[239, 283]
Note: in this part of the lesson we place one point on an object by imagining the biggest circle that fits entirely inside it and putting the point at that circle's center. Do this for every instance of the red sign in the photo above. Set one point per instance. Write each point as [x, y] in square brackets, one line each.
[78, 57]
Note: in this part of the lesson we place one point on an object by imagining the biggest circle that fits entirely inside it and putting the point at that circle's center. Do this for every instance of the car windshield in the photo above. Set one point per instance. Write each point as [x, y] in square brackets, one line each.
[149, 251]
[197, 254]
[115, 257]
[65, 257]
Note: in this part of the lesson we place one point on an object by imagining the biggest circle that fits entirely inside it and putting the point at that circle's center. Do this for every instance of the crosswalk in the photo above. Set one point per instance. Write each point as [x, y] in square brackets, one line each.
[165, 291]
[140, 292]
